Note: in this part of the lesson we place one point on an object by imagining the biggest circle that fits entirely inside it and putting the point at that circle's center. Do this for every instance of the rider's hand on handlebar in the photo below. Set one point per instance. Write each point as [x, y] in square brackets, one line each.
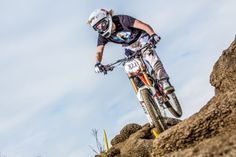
[154, 39]
[99, 68]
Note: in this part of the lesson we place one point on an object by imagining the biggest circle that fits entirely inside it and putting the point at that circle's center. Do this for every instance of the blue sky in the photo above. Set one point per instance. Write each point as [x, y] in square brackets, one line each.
[50, 97]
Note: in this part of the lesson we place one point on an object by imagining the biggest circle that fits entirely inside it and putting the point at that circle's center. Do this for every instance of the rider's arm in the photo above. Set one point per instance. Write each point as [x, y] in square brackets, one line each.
[99, 53]
[143, 26]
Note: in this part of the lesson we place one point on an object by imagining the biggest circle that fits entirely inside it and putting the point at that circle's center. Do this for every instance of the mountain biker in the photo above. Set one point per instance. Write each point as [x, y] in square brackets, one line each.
[132, 34]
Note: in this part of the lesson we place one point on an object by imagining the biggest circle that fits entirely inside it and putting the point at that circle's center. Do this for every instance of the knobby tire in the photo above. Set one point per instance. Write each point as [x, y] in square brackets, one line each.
[154, 112]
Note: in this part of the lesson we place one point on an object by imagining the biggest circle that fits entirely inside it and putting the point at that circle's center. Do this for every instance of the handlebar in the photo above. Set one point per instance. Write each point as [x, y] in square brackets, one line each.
[110, 67]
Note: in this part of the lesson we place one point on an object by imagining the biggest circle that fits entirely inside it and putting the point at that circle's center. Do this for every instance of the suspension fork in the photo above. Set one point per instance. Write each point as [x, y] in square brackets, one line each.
[133, 83]
[144, 79]
[143, 68]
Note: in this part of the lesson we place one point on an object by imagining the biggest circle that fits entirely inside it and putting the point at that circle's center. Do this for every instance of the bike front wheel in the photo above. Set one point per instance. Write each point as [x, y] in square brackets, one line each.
[154, 112]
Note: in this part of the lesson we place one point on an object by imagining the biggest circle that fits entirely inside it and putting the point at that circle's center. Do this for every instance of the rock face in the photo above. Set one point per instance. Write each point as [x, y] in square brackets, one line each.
[223, 77]
[125, 133]
[211, 132]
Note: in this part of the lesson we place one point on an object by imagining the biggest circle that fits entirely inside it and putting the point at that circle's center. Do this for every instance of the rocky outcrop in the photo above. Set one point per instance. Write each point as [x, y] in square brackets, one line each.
[139, 142]
[223, 77]
[125, 133]
[211, 132]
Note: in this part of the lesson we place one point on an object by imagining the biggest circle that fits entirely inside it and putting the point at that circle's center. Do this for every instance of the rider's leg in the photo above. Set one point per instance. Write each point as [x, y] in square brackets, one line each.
[151, 56]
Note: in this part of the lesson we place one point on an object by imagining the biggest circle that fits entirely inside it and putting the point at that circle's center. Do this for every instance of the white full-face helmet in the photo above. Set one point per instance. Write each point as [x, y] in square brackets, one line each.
[101, 21]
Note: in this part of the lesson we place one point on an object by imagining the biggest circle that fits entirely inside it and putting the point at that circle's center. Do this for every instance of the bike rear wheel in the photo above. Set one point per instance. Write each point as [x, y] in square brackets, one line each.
[173, 105]
[154, 112]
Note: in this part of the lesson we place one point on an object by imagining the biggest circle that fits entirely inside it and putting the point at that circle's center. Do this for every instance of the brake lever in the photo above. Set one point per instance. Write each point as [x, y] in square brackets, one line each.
[107, 68]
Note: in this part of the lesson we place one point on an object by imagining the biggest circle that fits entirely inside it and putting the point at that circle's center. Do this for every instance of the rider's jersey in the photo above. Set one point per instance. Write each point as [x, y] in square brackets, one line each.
[125, 33]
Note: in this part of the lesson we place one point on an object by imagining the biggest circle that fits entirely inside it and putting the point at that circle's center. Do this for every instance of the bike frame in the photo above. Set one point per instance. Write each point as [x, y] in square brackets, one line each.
[141, 73]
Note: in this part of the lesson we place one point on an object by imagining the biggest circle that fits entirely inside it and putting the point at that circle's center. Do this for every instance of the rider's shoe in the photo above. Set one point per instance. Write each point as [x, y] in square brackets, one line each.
[167, 87]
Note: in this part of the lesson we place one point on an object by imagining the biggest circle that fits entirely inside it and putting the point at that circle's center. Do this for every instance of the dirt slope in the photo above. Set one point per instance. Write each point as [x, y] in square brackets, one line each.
[211, 132]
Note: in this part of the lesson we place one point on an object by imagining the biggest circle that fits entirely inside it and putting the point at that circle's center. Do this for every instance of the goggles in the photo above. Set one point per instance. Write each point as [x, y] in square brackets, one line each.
[101, 26]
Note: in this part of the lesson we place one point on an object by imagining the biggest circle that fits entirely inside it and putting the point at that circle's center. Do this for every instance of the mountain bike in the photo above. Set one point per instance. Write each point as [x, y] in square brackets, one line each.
[148, 89]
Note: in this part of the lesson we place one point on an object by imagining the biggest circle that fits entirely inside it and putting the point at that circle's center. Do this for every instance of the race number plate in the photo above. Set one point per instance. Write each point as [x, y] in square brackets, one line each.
[132, 66]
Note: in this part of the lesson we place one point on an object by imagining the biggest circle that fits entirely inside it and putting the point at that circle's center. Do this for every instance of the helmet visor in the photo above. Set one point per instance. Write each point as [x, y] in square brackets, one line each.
[101, 26]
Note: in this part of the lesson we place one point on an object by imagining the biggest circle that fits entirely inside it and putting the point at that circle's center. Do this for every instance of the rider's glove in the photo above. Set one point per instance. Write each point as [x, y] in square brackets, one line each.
[154, 39]
[99, 67]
